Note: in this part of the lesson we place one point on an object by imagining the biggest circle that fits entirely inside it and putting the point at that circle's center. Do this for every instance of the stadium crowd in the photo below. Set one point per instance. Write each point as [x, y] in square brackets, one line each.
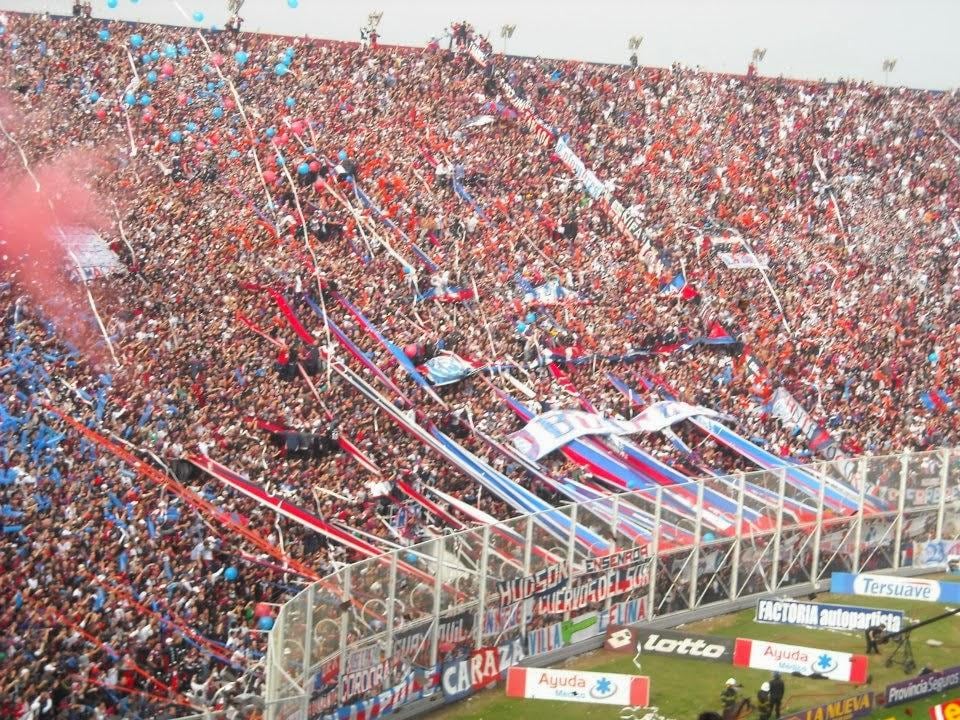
[120, 597]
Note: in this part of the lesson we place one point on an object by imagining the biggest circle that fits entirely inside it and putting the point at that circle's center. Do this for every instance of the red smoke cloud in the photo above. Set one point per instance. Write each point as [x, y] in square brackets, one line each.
[31, 257]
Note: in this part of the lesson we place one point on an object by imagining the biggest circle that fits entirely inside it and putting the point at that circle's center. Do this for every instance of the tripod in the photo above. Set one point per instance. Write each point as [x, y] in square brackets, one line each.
[902, 654]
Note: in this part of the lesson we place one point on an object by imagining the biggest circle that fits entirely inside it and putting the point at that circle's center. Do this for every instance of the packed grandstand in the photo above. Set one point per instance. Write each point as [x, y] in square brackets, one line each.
[405, 291]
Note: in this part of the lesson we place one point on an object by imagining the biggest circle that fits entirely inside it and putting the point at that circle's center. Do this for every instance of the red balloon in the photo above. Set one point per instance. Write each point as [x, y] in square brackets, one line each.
[410, 351]
[101, 113]
[148, 117]
[182, 99]
[200, 146]
[217, 59]
[315, 166]
[262, 609]
[167, 69]
[270, 176]
[228, 104]
[298, 127]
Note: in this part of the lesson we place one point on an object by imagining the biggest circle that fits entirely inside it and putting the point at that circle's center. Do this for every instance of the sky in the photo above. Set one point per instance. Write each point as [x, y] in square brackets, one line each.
[809, 39]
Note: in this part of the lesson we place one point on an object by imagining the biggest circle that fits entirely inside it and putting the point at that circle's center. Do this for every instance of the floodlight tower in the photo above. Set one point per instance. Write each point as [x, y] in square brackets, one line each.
[888, 65]
[506, 32]
[633, 44]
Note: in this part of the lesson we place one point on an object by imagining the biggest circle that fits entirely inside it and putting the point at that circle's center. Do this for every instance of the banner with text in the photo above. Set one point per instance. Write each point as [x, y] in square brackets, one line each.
[825, 617]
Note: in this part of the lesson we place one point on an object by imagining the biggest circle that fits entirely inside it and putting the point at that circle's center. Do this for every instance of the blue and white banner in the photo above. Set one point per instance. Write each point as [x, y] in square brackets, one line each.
[899, 588]
[447, 369]
[591, 183]
[550, 293]
[936, 553]
[825, 617]
[552, 430]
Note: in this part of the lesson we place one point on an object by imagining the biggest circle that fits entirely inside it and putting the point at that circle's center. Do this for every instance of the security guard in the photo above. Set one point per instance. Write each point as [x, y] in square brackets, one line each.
[776, 695]
[731, 701]
[763, 702]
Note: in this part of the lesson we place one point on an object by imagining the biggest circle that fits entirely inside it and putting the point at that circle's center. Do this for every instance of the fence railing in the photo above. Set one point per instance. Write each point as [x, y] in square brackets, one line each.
[389, 629]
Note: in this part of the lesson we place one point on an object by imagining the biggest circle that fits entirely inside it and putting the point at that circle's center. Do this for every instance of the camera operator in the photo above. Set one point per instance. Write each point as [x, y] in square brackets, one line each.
[875, 636]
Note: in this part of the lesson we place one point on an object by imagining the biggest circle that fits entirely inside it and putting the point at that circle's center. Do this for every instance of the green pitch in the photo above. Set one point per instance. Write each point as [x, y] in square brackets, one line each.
[681, 689]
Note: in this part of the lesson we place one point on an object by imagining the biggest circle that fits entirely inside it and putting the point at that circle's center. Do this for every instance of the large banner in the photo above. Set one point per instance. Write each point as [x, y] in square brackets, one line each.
[554, 429]
[588, 590]
[936, 553]
[578, 686]
[809, 662]
[848, 708]
[922, 686]
[452, 630]
[787, 410]
[591, 183]
[891, 586]
[825, 617]
[483, 667]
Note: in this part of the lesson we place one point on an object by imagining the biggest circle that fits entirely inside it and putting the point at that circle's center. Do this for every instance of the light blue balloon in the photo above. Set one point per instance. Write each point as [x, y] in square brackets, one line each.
[709, 537]
[234, 154]
[411, 558]
[281, 69]
[145, 58]
[176, 136]
[184, 50]
[271, 132]
[191, 127]
[291, 102]
[293, 4]
[211, 86]
[281, 160]
[241, 57]
[198, 16]
[231, 573]
[170, 50]
[933, 357]
[104, 35]
[134, 2]
[94, 96]
[136, 40]
[111, 4]
[303, 169]
[154, 55]
[342, 155]
[217, 113]
[3, 29]
[130, 99]
[265, 623]
[151, 77]
[145, 99]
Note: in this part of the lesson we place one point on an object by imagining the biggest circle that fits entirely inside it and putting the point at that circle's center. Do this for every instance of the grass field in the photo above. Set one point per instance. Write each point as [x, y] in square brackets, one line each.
[681, 689]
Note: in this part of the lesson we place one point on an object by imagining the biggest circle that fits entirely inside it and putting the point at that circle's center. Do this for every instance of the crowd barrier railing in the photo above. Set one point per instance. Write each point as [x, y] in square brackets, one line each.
[387, 631]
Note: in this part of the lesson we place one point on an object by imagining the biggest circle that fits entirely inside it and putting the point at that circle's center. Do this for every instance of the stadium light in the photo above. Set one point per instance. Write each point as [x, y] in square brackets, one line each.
[506, 32]
[888, 65]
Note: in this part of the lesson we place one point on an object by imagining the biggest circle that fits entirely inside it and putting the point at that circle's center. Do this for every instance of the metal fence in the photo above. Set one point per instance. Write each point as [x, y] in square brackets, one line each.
[387, 630]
